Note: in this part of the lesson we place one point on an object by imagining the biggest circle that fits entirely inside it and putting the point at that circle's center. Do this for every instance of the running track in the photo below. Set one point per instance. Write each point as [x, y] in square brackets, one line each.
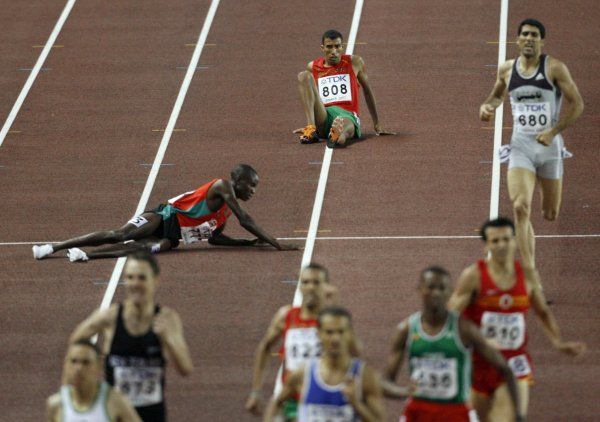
[89, 124]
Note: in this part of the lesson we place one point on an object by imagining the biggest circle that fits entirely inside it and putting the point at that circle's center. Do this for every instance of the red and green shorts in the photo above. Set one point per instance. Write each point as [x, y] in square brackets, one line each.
[335, 111]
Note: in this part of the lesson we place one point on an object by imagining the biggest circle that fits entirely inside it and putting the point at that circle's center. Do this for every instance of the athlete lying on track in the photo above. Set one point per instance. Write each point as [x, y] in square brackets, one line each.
[193, 216]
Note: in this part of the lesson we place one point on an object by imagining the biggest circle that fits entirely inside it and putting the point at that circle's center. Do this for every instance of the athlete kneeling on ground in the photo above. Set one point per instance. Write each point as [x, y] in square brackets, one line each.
[193, 216]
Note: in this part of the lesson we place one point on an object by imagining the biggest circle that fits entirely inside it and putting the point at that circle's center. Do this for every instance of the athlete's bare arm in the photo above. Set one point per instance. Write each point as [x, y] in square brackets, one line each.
[370, 408]
[224, 189]
[472, 337]
[291, 388]
[97, 323]
[121, 408]
[549, 324]
[53, 408]
[361, 74]
[561, 77]
[388, 381]
[169, 329]
[261, 356]
[466, 289]
[496, 97]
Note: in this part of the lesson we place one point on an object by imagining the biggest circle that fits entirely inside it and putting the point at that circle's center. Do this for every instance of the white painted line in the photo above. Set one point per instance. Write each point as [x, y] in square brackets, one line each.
[495, 191]
[116, 274]
[36, 69]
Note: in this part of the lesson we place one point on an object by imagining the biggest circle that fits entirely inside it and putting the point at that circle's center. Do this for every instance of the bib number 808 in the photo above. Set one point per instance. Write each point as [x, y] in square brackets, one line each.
[343, 89]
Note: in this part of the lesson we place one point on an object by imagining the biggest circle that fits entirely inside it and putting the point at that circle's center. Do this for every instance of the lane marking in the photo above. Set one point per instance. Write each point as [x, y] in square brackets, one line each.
[36, 69]
[42, 46]
[116, 274]
[28, 69]
[162, 164]
[495, 190]
[14, 131]
[306, 231]
[499, 41]
[205, 45]
[174, 130]
[320, 162]
[494, 128]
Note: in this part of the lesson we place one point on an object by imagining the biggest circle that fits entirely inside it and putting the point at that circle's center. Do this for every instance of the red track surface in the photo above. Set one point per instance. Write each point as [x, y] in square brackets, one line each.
[87, 124]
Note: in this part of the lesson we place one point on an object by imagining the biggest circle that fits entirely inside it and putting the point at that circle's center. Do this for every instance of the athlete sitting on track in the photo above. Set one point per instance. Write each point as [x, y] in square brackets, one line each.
[192, 216]
[336, 386]
[496, 294]
[329, 92]
[139, 338]
[438, 343]
[536, 84]
[84, 397]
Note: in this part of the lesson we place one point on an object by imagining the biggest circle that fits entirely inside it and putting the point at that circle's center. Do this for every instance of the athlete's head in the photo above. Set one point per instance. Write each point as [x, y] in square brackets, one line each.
[314, 279]
[82, 364]
[245, 180]
[530, 37]
[332, 46]
[141, 277]
[498, 235]
[335, 330]
[435, 288]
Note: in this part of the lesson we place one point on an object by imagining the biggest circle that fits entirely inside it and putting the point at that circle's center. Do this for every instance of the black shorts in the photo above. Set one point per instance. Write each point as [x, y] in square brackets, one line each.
[169, 228]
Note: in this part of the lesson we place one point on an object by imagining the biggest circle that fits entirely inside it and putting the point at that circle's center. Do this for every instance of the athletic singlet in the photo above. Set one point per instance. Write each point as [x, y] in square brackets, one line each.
[196, 220]
[337, 85]
[535, 102]
[439, 364]
[97, 412]
[300, 342]
[136, 366]
[323, 402]
[501, 315]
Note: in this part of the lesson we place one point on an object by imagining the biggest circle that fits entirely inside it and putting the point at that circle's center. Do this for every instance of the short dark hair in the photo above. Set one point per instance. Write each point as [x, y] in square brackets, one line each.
[318, 267]
[143, 255]
[87, 343]
[533, 22]
[435, 269]
[496, 222]
[332, 34]
[242, 170]
[335, 311]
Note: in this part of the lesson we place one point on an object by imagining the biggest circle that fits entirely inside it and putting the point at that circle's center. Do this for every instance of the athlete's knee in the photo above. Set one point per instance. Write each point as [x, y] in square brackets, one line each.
[305, 76]
[522, 209]
[115, 236]
[550, 214]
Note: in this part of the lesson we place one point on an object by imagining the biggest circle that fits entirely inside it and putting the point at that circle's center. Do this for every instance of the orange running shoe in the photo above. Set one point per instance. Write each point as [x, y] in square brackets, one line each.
[309, 135]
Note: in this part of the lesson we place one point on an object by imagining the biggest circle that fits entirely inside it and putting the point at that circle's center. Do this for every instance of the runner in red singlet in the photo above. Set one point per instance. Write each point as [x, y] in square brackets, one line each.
[496, 294]
[297, 327]
[193, 216]
[329, 90]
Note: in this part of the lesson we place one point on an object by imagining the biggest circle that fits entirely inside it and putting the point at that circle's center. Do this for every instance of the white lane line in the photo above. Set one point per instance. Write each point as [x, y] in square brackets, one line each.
[316, 212]
[495, 191]
[36, 69]
[116, 274]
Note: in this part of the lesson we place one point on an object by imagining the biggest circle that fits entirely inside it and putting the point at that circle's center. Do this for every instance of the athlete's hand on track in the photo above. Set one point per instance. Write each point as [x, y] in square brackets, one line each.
[545, 138]
[572, 348]
[254, 404]
[486, 112]
[379, 131]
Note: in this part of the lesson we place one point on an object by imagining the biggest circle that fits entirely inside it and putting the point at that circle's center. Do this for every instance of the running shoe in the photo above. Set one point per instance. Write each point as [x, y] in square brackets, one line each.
[309, 135]
[76, 254]
[41, 252]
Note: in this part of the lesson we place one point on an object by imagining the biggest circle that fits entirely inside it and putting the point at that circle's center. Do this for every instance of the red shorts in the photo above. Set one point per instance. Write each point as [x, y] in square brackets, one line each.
[486, 378]
[425, 411]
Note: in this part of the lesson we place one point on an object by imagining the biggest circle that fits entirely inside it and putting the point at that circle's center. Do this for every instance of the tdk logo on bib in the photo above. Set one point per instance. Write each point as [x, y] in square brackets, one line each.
[333, 79]
[532, 107]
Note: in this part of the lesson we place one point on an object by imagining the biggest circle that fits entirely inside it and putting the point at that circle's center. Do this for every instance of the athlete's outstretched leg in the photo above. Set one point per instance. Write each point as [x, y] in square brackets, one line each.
[124, 249]
[341, 130]
[521, 184]
[313, 107]
[482, 405]
[137, 228]
[551, 197]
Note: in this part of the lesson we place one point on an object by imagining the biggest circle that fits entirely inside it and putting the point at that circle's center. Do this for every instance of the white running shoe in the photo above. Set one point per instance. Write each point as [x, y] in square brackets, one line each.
[41, 252]
[76, 254]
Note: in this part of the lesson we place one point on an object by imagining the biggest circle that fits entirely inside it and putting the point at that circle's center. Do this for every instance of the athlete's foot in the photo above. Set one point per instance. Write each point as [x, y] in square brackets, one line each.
[76, 254]
[336, 133]
[41, 252]
[309, 135]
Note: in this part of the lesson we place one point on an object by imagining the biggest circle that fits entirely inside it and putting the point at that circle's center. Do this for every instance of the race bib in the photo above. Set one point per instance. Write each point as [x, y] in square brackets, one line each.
[506, 330]
[520, 365]
[138, 221]
[141, 385]
[301, 345]
[531, 118]
[328, 413]
[436, 378]
[335, 88]
[197, 233]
